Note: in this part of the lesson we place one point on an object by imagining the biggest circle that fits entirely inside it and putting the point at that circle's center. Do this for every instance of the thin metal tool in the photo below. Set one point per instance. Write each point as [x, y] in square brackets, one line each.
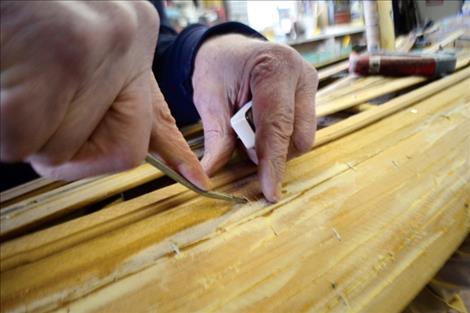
[183, 181]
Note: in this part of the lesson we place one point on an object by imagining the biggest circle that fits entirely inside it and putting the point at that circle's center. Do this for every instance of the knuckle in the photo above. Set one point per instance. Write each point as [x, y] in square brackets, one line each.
[69, 57]
[274, 59]
[147, 13]
[122, 33]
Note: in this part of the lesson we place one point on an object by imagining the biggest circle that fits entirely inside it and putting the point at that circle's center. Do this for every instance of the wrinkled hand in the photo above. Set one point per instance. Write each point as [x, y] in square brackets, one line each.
[232, 69]
[78, 96]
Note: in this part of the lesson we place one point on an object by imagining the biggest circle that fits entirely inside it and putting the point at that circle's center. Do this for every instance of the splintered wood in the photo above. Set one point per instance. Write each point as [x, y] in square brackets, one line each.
[366, 219]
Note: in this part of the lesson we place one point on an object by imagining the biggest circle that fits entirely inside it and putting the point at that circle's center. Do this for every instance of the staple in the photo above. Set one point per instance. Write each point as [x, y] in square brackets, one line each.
[350, 166]
[337, 235]
[175, 248]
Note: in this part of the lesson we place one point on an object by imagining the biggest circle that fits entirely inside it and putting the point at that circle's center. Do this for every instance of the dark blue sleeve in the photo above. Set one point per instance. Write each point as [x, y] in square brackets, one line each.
[174, 62]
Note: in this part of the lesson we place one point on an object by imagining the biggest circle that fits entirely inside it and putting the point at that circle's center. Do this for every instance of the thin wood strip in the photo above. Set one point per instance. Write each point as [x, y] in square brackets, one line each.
[300, 184]
[25, 190]
[326, 108]
[340, 83]
[360, 84]
[332, 70]
[69, 197]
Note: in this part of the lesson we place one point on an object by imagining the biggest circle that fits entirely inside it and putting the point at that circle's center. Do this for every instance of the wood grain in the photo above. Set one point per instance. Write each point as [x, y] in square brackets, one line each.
[338, 212]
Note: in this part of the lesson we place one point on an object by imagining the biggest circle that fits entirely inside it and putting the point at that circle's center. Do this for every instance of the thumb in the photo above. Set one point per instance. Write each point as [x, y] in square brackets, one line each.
[168, 142]
[219, 138]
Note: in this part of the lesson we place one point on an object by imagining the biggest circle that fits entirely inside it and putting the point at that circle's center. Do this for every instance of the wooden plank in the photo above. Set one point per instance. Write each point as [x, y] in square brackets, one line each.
[51, 204]
[211, 237]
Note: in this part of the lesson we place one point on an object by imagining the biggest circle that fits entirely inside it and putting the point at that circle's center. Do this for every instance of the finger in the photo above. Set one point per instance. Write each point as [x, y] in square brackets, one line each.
[304, 121]
[219, 138]
[168, 142]
[273, 87]
[83, 116]
[29, 114]
[120, 141]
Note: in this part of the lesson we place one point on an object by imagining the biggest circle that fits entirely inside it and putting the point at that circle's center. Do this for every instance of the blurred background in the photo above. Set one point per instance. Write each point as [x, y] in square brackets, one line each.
[323, 31]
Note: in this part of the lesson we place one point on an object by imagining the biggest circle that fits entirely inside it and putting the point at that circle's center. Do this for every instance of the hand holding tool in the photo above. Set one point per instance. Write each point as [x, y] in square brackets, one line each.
[185, 182]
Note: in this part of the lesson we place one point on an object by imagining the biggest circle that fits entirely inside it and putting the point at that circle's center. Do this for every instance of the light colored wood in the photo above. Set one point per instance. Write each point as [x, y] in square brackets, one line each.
[329, 107]
[386, 27]
[365, 118]
[362, 83]
[26, 190]
[59, 201]
[361, 108]
[332, 70]
[28, 213]
[137, 255]
[337, 225]
[330, 89]
[32, 247]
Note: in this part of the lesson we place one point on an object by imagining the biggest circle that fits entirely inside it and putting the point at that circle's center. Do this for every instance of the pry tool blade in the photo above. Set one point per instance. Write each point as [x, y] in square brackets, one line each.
[183, 181]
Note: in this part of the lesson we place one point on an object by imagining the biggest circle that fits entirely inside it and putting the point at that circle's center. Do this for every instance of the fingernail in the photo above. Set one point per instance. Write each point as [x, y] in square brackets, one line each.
[270, 182]
[197, 177]
[276, 196]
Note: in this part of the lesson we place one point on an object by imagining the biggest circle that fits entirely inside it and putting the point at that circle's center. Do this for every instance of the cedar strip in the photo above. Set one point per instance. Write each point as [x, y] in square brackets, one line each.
[117, 251]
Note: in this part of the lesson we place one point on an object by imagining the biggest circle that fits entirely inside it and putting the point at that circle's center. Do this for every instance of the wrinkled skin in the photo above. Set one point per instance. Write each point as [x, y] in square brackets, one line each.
[232, 69]
[78, 96]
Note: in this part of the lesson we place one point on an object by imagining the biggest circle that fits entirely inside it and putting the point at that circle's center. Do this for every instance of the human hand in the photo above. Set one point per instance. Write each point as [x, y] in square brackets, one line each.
[78, 96]
[232, 69]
